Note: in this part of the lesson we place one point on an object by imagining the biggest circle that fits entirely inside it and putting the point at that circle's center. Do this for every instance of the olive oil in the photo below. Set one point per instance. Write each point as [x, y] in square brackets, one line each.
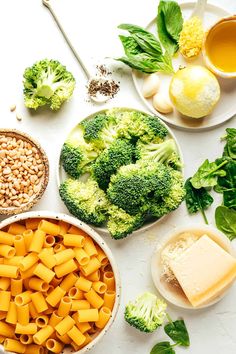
[221, 46]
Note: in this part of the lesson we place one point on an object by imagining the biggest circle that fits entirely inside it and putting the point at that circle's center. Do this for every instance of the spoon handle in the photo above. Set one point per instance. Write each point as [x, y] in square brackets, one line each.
[199, 9]
[48, 4]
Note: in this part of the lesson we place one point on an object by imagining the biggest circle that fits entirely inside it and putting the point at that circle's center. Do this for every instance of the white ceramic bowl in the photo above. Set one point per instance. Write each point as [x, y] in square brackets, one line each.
[94, 235]
[61, 174]
[177, 298]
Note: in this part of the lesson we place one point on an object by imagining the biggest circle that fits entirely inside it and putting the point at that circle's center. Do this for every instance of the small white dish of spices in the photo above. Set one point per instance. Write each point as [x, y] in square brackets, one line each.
[24, 172]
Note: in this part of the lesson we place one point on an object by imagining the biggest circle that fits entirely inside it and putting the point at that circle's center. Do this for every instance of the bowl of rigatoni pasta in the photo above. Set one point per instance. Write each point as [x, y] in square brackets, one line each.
[59, 284]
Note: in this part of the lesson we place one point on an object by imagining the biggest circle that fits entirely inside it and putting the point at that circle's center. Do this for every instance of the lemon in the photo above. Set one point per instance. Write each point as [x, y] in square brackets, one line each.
[194, 91]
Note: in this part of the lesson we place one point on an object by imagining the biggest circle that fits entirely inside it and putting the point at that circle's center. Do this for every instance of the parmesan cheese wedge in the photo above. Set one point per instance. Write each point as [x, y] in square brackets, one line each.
[204, 271]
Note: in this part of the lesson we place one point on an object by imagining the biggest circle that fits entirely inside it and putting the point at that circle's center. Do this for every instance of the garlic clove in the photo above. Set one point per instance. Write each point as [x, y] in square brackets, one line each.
[151, 85]
[162, 104]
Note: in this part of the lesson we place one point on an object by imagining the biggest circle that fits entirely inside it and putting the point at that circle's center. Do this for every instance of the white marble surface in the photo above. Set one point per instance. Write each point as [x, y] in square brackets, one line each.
[28, 33]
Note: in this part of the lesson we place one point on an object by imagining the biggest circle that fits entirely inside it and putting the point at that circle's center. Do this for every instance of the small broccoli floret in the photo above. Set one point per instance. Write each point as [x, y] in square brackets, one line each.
[136, 125]
[47, 82]
[171, 201]
[120, 224]
[76, 154]
[164, 152]
[133, 185]
[118, 154]
[100, 130]
[147, 313]
[85, 200]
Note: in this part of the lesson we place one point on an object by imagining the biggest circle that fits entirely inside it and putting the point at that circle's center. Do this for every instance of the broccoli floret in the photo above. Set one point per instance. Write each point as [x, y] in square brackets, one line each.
[100, 130]
[120, 224]
[136, 125]
[47, 82]
[171, 201]
[164, 152]
[118, 154]
[85, 200]
[133, 185]
[76, 154]
[147, 313]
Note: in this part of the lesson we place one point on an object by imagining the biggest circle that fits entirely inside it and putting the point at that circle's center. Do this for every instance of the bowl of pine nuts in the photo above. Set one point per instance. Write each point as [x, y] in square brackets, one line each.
[24, 172]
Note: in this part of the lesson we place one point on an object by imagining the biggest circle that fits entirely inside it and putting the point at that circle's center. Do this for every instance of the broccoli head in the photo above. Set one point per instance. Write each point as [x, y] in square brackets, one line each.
[47, 82]
[118, 154]
[76, 154]
[85, 200]
[172, 200]
[136, 125]
[100, 130]
[120, 224]
[147, 313]
[133, 185]
[164, 152]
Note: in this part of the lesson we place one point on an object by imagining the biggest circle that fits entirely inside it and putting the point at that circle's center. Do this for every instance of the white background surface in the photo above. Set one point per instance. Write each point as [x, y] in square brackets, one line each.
[28, 33]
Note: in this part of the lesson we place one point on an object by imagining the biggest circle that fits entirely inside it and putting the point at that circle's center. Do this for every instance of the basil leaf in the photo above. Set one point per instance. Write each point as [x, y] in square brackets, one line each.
[145, 63]
[231, 142]
[169, 25]
[206, 175]
[130, 45]
[225, 219]
[148, 45]
[162, 348]
[178, 332]
[173, 18]
[197, 199]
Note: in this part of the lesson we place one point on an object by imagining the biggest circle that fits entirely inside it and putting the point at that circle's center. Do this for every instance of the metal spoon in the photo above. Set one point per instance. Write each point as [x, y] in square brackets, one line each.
[99, 98]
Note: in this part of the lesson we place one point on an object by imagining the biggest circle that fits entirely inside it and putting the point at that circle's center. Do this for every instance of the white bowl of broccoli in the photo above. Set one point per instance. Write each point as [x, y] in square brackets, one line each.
[121, 170]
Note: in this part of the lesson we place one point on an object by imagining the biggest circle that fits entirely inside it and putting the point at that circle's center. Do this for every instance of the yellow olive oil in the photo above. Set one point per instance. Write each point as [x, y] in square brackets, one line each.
[221, 46]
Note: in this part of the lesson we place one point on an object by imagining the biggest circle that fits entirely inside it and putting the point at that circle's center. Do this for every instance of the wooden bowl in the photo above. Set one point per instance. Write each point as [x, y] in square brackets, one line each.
[44, 179]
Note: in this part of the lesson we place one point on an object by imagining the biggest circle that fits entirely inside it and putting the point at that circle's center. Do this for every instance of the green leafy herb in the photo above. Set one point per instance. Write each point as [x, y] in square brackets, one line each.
[145, 63]
[228, 182]
[197, 199]
[163, 348]
[230, 147]
[146, 40]
[229, 198]
[130, 45]
[178, 332]
[226, 221]
[206, 175]
[169, 25]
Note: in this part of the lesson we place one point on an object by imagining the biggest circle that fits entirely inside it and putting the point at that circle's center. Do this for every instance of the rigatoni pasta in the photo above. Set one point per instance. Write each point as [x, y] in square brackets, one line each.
[57, 287]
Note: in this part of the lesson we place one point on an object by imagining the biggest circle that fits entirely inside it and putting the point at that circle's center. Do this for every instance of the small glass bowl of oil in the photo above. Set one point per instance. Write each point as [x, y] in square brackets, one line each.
[219, 49]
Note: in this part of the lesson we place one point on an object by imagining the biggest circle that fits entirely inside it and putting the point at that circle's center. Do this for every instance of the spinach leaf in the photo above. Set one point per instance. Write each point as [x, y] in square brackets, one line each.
[169, 25]
[162, 348]
[130, 45]
[229, 198]
[147, 39]
[178, 332]
[225, 219]
[206, 175]
[145, 63]
[230, 147]
[197, 199]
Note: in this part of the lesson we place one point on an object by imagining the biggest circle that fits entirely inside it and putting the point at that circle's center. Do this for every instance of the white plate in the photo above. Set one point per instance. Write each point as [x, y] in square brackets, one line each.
[176, 297]
[62, 175]
[226, 107]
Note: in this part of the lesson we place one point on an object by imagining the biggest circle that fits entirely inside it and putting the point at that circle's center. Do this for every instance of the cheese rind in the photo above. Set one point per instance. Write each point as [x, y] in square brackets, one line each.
[204, 270]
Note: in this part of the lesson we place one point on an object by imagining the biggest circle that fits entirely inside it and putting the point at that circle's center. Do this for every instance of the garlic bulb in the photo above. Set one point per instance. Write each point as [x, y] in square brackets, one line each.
[151, 85]
[162, 104]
